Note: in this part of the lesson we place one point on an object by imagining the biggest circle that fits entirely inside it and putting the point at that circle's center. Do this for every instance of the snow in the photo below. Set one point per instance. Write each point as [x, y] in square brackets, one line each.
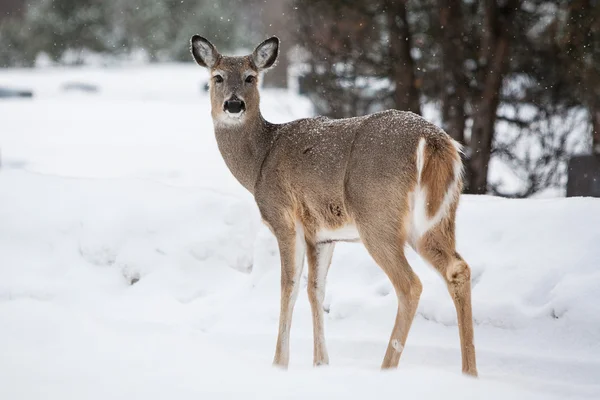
[125, 185]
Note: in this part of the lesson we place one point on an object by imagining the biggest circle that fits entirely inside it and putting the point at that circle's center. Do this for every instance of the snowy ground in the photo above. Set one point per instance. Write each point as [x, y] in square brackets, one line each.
[99, 190]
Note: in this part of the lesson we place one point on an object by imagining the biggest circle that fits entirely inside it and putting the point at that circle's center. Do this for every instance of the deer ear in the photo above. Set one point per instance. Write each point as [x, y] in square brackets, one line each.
[265, 54]
[205, 54]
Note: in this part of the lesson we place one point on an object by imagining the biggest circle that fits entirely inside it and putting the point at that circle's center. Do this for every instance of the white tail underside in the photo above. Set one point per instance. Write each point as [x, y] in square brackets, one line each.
[420, 222]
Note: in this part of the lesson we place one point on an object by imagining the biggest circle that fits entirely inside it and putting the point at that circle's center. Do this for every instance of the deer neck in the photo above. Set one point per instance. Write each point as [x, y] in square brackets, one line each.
[244, 147]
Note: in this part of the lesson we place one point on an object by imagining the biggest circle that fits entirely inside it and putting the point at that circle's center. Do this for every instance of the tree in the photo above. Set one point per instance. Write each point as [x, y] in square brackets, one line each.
[578, 39]
[13, 36]
[62, 25]
[453, 79]
[161, 28]
[498, 28]
[348, 73]
[276, 17]
[406, 95]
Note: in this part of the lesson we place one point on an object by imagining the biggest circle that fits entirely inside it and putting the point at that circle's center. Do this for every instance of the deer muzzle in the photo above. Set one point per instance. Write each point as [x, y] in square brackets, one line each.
[234, 105]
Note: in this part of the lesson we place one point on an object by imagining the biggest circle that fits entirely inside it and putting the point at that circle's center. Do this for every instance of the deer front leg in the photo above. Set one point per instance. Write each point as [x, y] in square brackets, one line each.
[319, 259]
[292, 249]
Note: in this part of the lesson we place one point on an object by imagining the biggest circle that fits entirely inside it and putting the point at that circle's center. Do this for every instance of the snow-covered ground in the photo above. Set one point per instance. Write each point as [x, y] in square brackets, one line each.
[126, 185]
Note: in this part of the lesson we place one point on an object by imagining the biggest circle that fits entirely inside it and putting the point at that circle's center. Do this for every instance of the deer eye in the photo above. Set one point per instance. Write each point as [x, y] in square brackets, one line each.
[250, 79]
[218, 78]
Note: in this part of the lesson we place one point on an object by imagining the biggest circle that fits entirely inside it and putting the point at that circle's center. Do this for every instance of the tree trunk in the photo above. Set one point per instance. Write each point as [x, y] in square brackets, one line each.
[454, 82]
[484, 120]
[406, 93]
[498, 23]
[580, 52]
[277, 21]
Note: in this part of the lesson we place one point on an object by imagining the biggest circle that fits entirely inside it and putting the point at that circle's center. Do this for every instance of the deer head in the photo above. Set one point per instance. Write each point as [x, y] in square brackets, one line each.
[234, 80]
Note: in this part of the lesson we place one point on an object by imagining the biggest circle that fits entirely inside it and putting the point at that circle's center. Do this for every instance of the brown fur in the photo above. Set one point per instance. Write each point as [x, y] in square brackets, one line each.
[318, 174]
[436, 176]
[438, 247]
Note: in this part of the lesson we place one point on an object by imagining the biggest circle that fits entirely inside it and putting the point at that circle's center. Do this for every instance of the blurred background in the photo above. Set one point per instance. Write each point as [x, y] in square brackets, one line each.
[516, 82]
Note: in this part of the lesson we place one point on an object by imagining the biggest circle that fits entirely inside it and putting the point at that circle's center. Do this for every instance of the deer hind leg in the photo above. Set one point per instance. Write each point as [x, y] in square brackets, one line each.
[386, 246]
[319, 259]
[292, 249]
[438, 247]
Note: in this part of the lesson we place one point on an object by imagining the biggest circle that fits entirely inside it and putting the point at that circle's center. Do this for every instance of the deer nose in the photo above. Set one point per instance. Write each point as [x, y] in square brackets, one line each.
[234, 105]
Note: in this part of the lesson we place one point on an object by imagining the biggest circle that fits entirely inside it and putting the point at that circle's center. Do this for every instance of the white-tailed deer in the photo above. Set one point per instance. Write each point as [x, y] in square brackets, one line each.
[386, 179]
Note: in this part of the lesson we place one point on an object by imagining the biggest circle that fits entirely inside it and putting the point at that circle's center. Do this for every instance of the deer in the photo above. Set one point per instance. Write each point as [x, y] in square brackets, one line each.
[387, 180]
